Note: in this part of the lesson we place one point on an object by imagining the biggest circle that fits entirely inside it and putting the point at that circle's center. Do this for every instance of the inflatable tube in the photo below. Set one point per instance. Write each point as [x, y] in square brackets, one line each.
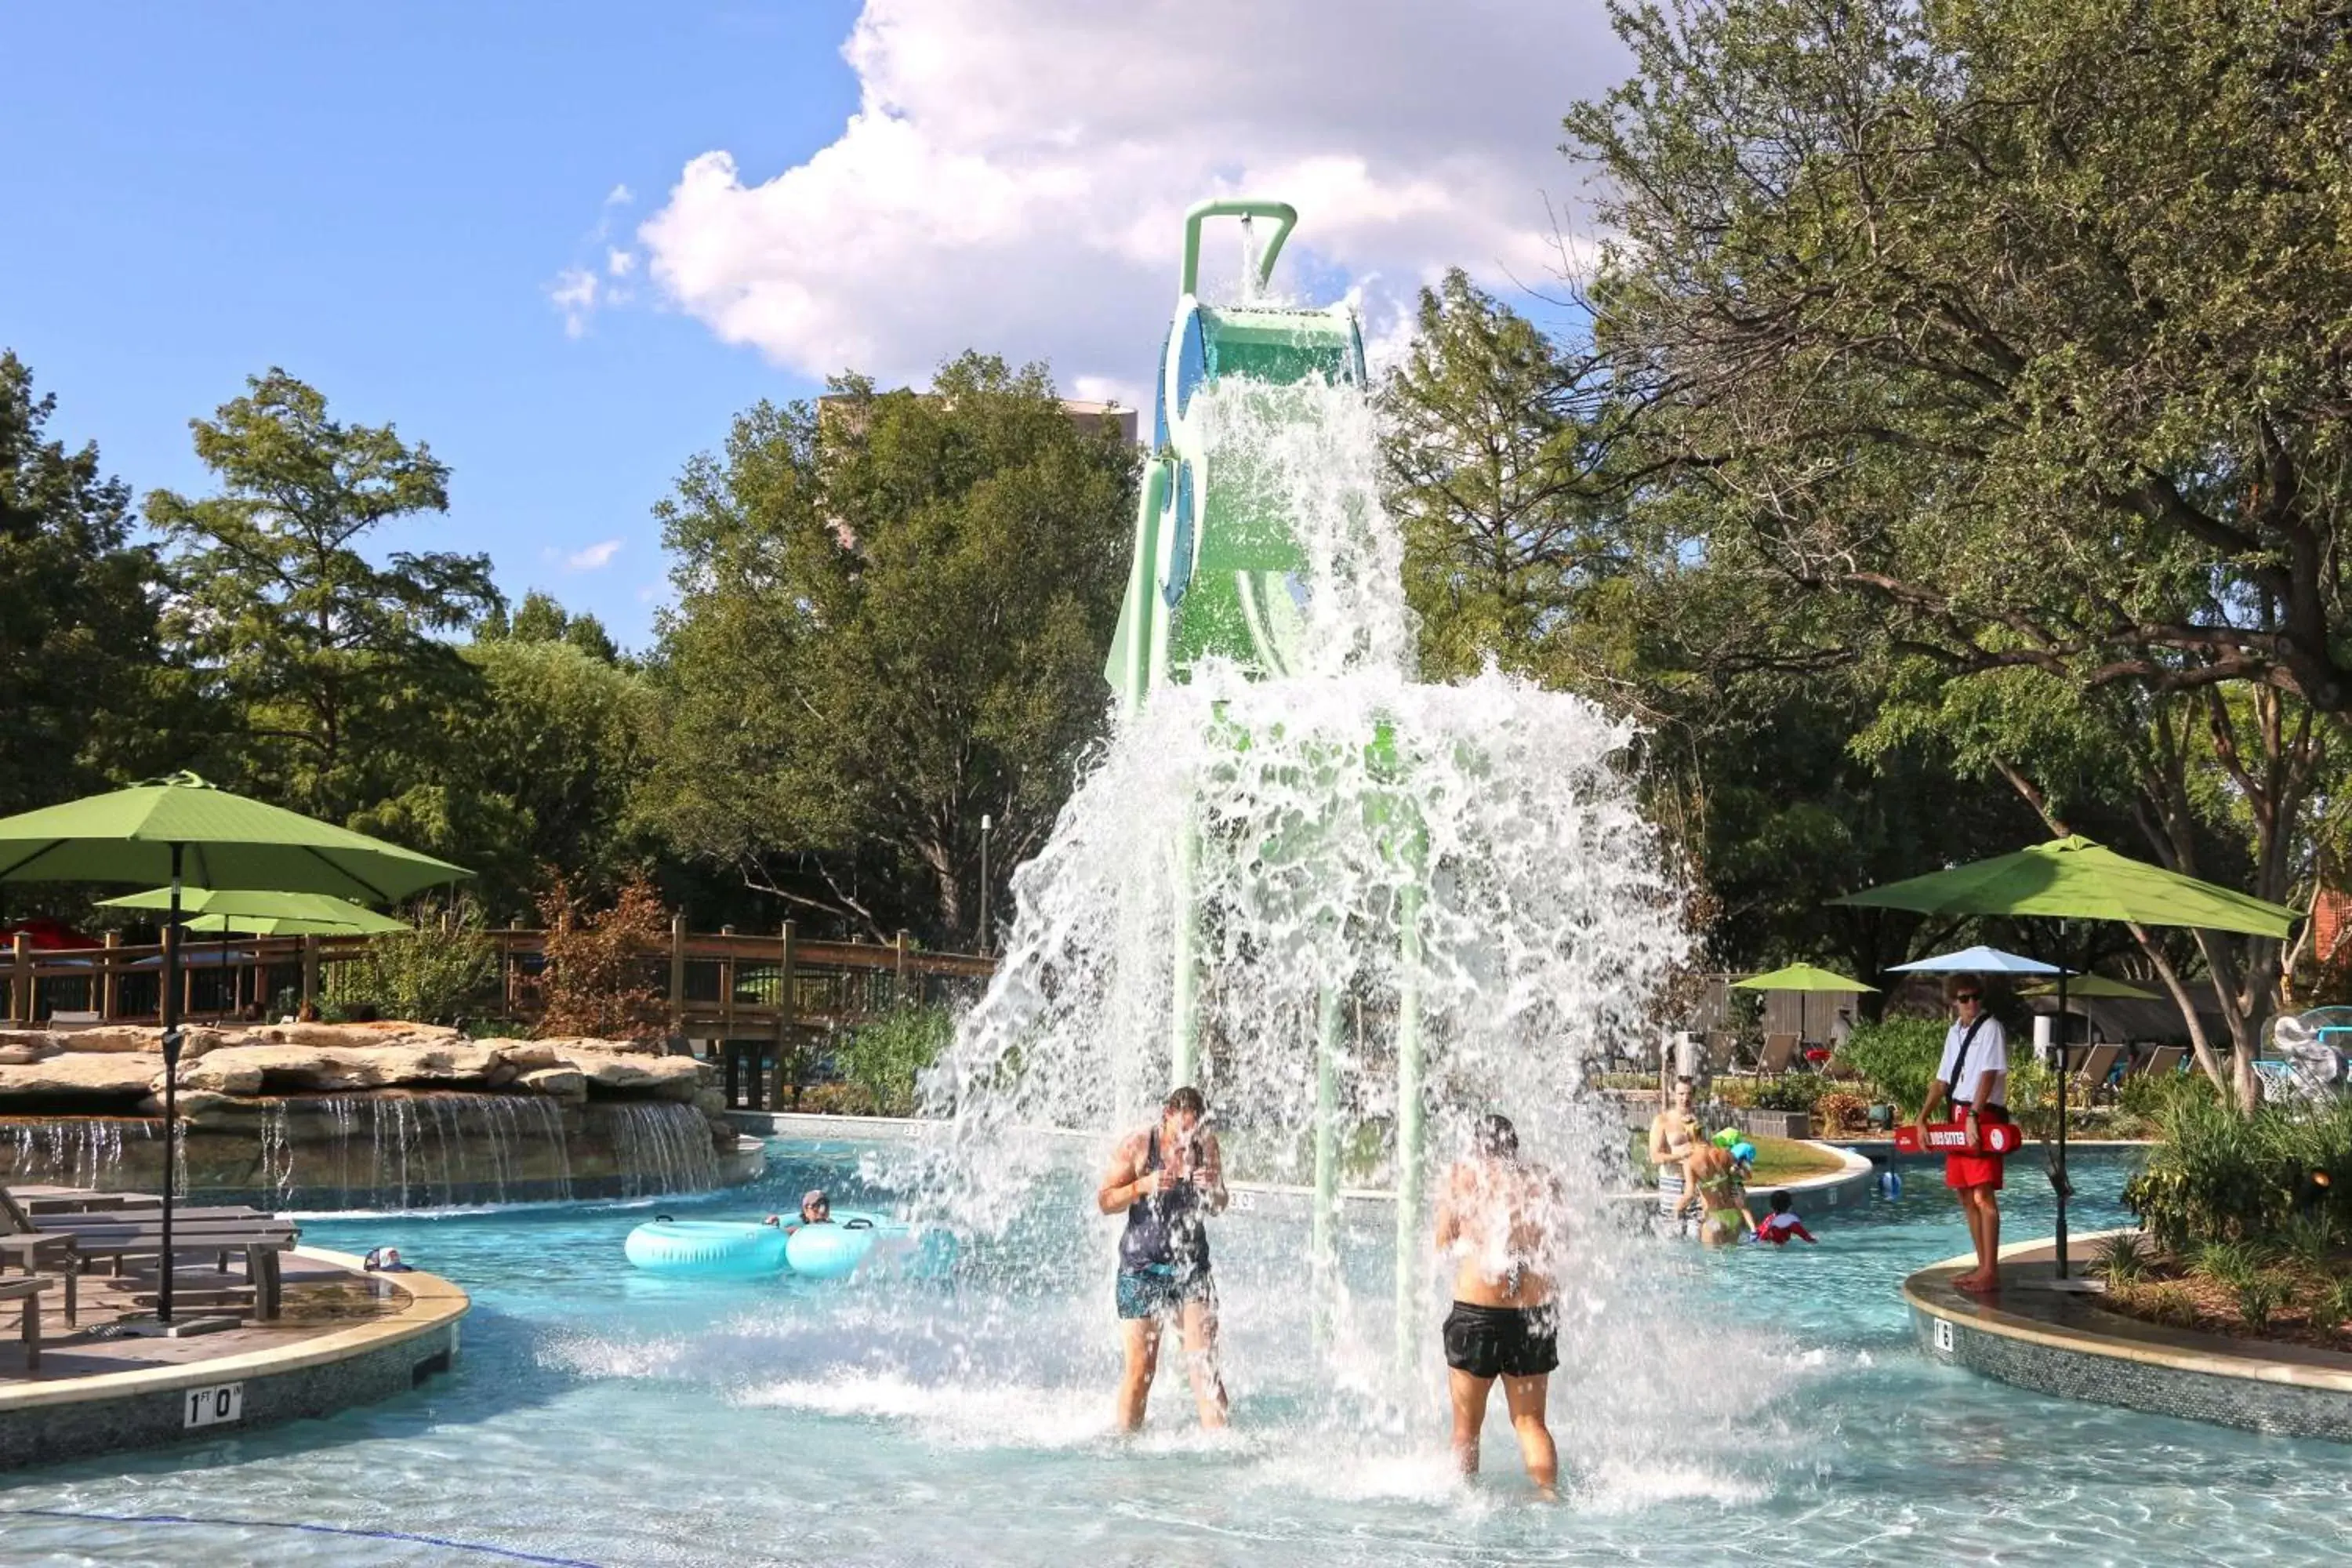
[858, 1239]
[707, 1248]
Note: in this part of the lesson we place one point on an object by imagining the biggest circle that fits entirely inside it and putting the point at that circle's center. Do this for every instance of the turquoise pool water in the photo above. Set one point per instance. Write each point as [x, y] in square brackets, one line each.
[1755, 1406]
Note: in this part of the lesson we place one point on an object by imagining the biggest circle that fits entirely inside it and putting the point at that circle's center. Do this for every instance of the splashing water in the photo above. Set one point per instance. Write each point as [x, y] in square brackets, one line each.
[1451, 875]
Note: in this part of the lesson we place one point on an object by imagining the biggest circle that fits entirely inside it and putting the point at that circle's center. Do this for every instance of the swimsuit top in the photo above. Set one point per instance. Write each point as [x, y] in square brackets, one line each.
[1165, 1229]
[1725, 1186]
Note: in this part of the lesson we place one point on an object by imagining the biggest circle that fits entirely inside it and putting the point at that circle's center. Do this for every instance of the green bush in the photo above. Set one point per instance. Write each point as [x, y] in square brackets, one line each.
[2120, 1259]
[1897, 1058]
[2258, 1295]
[2219, 1176]
[886, 1055]
[433, 973]
[1797, 1091]
[2142, 1100]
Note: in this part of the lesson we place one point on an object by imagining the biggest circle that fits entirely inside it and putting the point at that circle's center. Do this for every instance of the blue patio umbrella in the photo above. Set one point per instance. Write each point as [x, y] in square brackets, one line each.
[1976, 960]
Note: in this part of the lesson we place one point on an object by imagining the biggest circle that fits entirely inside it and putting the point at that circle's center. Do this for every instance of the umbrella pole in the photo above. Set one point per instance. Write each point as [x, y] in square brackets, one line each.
[171, 1011]
[2060, 1188]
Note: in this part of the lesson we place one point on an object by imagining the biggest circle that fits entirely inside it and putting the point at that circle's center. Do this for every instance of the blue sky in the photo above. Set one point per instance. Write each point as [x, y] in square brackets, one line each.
[200, 192]
[384, 200]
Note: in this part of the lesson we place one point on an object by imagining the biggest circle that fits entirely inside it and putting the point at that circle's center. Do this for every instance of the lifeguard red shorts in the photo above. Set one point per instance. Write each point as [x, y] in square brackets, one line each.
[1964, 1170]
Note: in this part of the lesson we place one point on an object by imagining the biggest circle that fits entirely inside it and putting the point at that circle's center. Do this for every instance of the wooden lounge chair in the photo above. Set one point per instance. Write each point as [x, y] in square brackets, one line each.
[1719, 1048]
[2100, 1061]
[1779, 1056]
[2163, 1061]
[27, 1292]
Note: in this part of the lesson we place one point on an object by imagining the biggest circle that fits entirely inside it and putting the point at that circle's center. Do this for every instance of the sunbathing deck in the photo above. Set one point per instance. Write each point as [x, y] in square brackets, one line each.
[344, 1337]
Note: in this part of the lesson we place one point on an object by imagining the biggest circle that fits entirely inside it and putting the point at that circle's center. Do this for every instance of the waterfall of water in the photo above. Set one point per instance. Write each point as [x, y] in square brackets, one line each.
[661, 1146]
[1407, 901]
[75, 1152]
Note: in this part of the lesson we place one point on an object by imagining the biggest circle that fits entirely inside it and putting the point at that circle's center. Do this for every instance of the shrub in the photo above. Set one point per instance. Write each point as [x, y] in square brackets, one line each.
[2335, 1306]
[839, 1099]
[2229, 1264]
[2258, 1296]
[2141, 1102]
[2219, 1175]
[1837, 1111]
[436, 971]
[1897, 1058]
[1797, 1091]
[596, 981]
[2168, 1303]
[886, 1055]
[2121, 1259]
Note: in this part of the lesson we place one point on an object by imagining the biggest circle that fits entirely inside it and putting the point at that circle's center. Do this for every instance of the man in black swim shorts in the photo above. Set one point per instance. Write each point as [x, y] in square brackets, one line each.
[1498, 1216]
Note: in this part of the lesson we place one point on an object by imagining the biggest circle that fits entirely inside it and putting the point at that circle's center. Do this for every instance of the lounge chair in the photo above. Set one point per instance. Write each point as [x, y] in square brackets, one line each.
[2096, 1064]
[2162, 1062]
[1780, 1055]
[28, 1293]
[1719, 1048]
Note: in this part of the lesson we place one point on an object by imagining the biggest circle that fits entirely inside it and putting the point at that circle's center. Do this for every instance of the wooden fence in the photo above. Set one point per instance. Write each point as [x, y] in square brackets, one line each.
[722, 985]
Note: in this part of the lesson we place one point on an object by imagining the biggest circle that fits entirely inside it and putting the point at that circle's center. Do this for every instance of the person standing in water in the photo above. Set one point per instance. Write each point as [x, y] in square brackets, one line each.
[1674, 1138]
[1499, 1216]
[1166, 1179]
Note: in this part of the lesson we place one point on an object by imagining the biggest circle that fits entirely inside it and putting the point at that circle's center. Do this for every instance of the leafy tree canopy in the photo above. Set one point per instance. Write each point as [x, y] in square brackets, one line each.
[892, 612]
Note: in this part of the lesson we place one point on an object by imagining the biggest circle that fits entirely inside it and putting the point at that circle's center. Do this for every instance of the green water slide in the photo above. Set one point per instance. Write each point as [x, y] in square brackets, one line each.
[1216, 568]
[1218, 573]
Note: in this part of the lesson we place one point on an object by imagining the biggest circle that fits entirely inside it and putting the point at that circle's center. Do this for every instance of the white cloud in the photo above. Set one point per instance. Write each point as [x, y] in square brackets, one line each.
[574, 293]
[620, 263]
[619, 196]
[594, 558]
[978, 200]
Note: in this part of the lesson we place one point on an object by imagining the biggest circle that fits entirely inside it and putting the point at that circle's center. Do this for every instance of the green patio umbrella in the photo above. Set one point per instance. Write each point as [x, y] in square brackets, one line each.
[179, 830]
[2094, 985]
[262, 911]
[2074, 878]
[1800, 977]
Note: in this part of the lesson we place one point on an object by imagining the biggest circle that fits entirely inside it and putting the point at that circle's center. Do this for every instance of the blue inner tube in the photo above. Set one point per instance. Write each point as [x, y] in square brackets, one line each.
[860, 1239]
[707, 1248]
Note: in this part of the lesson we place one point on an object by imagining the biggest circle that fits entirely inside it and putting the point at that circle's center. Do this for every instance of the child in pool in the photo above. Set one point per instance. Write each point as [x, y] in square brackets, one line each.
[1780, 1225]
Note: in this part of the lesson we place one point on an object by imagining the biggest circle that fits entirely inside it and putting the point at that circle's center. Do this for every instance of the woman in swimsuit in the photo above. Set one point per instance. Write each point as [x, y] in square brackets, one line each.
[1714, 1180]
[1674, 1134]
[1498, 1215]
[1166, 1179]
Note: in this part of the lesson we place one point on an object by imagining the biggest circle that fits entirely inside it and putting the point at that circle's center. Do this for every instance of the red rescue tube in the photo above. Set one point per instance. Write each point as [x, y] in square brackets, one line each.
[1952, 1138]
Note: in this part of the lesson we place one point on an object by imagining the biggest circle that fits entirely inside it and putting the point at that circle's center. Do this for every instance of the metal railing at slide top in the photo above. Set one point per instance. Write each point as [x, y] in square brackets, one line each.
[722, 984]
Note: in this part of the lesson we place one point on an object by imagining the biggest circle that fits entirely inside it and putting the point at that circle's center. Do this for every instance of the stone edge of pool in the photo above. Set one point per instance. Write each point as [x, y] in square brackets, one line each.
[2057, 1342]
[322, 1374]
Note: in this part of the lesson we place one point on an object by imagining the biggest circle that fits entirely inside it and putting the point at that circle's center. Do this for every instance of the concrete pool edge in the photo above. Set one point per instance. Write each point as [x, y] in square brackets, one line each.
[320, 1375]
[2056, 1343]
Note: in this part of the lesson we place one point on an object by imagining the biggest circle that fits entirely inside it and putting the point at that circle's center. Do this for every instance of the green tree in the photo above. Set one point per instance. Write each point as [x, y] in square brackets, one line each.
[2013, 329]
[1495, 446]
[891, 616]
[80, 650]
[539, 618]
[332, 664]
[2022, 317]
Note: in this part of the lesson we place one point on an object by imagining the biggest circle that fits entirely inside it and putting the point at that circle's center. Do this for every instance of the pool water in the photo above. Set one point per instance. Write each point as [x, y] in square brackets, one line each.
[1755, 1405]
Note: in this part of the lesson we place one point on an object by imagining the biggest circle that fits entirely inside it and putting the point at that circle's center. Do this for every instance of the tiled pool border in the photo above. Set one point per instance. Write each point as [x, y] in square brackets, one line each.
[51, 1421]
[2055, 1342]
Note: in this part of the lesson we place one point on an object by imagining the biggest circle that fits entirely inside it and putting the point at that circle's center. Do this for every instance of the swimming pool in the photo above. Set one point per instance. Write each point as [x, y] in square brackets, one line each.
[602, 1416]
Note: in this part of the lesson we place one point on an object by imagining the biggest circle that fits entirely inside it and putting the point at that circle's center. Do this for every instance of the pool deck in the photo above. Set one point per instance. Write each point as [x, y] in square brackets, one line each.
[346, 1337]
[2059, 1341]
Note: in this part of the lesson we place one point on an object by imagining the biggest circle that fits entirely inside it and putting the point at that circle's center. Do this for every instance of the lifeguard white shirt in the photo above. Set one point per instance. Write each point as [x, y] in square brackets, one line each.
[1989, 1050]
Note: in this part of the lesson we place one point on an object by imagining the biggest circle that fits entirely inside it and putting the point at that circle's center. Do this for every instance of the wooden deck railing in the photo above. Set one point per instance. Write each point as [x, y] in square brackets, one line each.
[720, 986]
